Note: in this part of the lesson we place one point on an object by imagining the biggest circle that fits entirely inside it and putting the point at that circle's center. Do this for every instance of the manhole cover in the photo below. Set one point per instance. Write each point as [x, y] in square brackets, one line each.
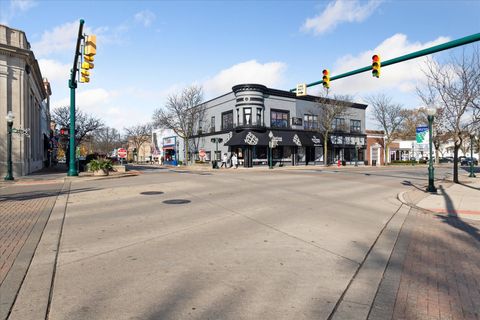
[176, 201]
[151, 193]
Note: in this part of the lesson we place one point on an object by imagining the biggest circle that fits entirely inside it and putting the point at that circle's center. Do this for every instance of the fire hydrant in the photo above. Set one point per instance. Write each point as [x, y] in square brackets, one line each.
[339, 163]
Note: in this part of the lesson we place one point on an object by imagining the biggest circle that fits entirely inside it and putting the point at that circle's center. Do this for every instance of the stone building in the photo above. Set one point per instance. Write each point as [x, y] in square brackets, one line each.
[24, 92]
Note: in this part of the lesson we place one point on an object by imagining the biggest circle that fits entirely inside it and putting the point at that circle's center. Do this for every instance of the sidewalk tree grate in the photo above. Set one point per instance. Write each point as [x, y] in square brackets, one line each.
[151, 193]
[176, 201]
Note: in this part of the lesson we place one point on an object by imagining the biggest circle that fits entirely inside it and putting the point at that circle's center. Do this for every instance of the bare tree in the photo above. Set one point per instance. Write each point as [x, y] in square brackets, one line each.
[330, 109]
[389, 116]
[456, 88]
[106, 139]
[184, 113]
[139, 134]
[84, 122]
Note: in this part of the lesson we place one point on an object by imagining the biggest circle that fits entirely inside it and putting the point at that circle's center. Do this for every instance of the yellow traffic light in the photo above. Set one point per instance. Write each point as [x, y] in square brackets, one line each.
[90, 45]
[326, 78]
[87, 65]
[376, 64]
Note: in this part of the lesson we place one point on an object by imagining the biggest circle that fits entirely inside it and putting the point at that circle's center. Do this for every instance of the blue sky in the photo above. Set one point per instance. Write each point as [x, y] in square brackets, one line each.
[147, 50]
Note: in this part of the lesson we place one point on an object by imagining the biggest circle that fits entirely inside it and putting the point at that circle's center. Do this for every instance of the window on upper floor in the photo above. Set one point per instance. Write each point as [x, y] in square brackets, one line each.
[259, 116]
[247, 115]
[338, 124]
[355, 126]
[310, 121]
[212, 124]
[227, 120]
[279, 118]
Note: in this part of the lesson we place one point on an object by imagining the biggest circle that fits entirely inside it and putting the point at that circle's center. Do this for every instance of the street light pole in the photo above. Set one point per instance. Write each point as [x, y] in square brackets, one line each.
[9, 118]
[472, 174]
[356, 154]
[431, 187]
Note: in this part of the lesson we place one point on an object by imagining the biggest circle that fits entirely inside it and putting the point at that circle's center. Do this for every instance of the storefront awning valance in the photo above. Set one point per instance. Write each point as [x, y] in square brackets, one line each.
[283, 138]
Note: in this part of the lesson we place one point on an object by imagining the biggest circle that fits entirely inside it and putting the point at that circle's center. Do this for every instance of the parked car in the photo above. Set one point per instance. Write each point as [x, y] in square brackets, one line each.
[468, 161]
[446, 159]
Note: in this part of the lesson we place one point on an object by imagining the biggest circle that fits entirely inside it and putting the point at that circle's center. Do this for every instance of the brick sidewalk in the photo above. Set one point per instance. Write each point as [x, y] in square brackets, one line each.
[24, 211]
[17, 219]
[437, 274]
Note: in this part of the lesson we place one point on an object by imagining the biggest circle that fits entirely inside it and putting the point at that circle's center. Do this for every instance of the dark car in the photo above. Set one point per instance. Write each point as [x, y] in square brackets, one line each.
[446, 159]
[468, 161]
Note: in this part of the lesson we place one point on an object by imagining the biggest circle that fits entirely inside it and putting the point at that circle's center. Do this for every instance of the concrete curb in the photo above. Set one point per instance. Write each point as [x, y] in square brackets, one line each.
[359, 296]
[33, 299]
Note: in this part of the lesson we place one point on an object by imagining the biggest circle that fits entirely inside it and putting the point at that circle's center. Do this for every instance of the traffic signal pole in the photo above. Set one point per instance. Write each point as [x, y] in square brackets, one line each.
[72, 84]
[413, 55]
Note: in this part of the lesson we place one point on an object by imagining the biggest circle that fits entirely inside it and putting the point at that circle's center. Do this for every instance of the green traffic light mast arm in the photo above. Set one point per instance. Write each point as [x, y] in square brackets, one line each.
[77, 53]
[413, 55]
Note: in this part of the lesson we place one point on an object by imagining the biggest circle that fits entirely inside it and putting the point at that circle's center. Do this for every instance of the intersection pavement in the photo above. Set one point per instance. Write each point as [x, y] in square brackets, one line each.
[288, 244]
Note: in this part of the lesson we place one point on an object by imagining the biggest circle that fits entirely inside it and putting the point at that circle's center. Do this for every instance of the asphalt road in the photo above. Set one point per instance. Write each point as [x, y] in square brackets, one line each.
[246, 244]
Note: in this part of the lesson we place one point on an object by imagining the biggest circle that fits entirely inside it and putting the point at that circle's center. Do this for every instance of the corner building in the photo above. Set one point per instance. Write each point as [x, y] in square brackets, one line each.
[251, 115]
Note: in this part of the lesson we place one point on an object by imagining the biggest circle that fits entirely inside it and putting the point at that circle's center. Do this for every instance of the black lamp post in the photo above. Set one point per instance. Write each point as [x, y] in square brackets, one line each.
[9, 118]
[430, 114]
[215, 161]
[472, 174]
[356, 154]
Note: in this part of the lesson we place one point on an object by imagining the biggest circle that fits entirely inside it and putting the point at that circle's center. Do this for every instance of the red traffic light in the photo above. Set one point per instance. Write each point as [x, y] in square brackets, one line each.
[326, 78]
[376, 64]
[63, 131]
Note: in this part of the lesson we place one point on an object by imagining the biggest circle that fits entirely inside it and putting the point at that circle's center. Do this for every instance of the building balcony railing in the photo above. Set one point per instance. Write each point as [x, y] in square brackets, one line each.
[250, 125]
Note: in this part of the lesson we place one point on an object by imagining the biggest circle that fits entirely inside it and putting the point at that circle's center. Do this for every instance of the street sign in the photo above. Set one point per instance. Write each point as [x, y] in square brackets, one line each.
[301, 89]
[202, 153]
[122, 153]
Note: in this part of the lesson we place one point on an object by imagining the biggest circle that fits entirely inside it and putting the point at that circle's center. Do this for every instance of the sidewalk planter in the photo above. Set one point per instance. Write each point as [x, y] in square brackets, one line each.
[100, 167]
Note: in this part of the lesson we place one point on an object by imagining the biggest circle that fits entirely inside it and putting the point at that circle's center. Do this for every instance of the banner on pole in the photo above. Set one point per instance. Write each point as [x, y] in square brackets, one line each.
[422, 135]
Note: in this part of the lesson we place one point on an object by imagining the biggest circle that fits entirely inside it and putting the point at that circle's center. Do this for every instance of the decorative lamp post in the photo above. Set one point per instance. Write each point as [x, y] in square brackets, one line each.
[216, 157]
[356, 154]
[176, 151]
[472, 174]
[430, 114]
[413, 154]
[9, 118]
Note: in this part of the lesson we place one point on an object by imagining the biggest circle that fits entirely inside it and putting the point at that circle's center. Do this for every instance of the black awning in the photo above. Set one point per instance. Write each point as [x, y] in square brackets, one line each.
[248, 138]
[286, 138]
[298, 138]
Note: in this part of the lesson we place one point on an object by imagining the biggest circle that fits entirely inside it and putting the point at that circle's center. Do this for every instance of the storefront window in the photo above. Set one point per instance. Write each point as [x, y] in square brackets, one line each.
[227, 120]
[279, 119]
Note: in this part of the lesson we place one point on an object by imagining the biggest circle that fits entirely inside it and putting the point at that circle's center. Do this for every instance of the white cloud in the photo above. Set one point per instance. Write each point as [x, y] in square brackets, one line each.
[145, 17]
[60, 39]
[54, 70]
[14, 7]
[113, 107]
[270, 74]
[338, 12]
[398, 78]
[23, 5]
